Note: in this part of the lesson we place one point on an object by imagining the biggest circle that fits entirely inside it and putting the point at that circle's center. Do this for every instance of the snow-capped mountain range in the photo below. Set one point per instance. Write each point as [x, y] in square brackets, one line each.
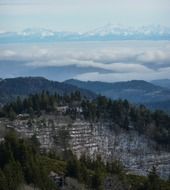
[122, 30]
[105, 33]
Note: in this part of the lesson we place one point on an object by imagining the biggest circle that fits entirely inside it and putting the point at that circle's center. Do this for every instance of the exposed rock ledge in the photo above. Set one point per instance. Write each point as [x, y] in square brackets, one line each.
[137, 152]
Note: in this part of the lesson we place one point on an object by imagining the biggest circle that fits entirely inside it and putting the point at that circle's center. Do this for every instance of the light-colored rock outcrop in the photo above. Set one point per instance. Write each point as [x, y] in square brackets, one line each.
[137, 152]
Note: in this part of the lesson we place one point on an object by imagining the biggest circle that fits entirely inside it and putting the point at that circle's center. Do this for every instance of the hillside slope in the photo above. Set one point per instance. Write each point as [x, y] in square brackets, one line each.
[112, 129]
[136, 91]
[162, 82]
[24, 86]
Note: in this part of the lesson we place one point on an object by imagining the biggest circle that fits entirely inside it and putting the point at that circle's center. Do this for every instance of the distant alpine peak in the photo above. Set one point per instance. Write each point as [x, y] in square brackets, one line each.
[105, 33]
[43, 32]
[36, 31]
[103, 30]
[109, 29]
[119, 29]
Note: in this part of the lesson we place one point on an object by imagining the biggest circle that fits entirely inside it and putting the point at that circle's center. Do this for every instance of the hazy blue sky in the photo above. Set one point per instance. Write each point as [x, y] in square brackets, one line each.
[81, 15]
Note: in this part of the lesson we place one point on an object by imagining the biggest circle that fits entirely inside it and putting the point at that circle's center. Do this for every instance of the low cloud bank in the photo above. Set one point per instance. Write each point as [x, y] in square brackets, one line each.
[116, 62]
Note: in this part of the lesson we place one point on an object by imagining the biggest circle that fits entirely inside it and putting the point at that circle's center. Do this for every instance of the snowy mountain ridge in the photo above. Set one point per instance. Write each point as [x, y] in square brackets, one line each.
[104, 33]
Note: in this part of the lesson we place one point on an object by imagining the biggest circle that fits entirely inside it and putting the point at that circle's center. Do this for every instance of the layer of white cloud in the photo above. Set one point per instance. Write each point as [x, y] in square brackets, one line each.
[113, 77]
[158, 57]
[114, 61]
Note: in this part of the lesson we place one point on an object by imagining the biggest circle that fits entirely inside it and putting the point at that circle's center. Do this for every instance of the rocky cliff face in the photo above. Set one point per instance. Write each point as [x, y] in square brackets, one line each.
[137, 152]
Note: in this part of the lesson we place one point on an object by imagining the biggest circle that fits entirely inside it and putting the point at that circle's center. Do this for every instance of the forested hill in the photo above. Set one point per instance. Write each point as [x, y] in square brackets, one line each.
[162, 82]
[135, 91]
[24, 86]
[140, 92]
[25, 163]
[156, 125]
